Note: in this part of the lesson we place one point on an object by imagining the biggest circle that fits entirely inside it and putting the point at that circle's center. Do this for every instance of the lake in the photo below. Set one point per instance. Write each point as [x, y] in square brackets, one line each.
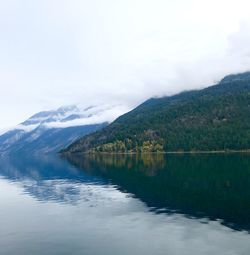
[125, 204]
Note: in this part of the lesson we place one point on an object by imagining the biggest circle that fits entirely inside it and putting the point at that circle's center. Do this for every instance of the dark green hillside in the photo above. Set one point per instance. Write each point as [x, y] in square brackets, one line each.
[215, 118]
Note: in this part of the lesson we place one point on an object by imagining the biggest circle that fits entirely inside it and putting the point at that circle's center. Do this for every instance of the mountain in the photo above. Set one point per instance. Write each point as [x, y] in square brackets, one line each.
[214, 118]
[50, 131]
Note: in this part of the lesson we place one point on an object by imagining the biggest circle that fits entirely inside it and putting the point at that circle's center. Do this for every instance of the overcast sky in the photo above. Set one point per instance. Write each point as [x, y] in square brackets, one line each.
[61, 52]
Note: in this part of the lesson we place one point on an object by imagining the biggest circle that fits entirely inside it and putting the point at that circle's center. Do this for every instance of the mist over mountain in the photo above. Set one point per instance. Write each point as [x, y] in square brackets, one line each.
[214, 118]
[50, 131]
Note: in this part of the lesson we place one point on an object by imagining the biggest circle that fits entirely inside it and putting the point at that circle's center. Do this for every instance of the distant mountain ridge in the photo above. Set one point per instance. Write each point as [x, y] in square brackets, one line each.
[50, 131]
[211, 119]
[61, 114]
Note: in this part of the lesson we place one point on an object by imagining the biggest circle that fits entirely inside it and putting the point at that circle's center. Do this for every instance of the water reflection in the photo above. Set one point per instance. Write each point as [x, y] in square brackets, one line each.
[212, 186]
[216, 187]
[49, 178]
[125, 204]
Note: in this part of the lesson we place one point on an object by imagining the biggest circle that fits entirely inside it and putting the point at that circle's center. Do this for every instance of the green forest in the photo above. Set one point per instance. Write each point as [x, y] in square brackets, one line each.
[211, 119]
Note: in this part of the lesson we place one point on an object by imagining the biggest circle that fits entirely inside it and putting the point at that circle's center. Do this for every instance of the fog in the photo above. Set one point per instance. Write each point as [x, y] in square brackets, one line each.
[59, 52]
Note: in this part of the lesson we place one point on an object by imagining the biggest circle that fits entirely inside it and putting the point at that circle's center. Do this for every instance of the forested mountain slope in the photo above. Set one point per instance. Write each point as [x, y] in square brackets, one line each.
[214, 118]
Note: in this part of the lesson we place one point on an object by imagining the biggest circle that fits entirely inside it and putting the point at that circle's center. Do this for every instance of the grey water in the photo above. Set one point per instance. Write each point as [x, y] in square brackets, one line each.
[125, 204]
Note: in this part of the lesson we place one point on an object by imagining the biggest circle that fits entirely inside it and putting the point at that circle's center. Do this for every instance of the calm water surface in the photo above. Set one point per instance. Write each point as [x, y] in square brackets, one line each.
[123, 205]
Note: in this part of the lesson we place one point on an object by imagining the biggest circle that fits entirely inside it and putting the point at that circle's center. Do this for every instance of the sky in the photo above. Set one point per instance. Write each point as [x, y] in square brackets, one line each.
[63, 52]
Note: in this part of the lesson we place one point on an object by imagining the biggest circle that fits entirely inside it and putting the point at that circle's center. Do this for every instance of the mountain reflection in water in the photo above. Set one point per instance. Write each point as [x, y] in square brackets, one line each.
[216, 187]
[125, 204]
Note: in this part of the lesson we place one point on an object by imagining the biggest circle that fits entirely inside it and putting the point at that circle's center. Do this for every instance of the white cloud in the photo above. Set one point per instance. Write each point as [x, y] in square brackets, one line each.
[99, 115]
[60, 118]
[58, 52]
[25, 128]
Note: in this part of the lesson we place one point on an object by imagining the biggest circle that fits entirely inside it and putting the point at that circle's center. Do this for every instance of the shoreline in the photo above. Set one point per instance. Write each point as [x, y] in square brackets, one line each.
[163, 152]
